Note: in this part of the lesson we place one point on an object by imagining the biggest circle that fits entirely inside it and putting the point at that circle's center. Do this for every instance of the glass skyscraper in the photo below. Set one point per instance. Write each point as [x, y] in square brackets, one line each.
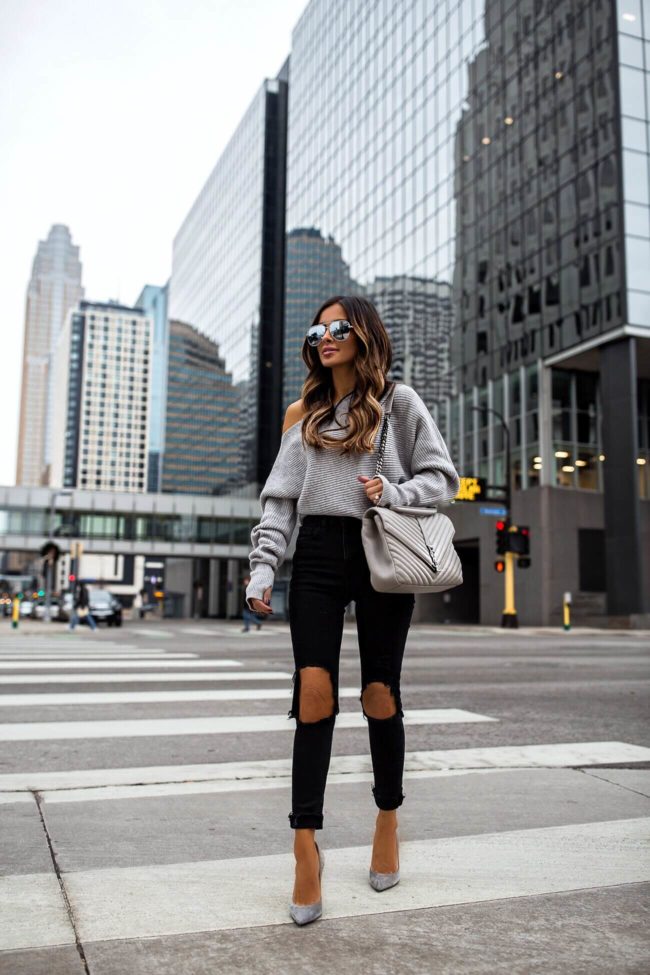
[202, 417]
[482, 171]
[227, 276]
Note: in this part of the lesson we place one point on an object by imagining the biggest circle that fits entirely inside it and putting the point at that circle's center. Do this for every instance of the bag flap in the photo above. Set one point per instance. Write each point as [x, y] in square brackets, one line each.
[431, 533]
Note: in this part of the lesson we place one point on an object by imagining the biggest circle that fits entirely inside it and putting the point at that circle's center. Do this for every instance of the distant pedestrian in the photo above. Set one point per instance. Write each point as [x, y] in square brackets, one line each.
[247, 614]
[81, 607]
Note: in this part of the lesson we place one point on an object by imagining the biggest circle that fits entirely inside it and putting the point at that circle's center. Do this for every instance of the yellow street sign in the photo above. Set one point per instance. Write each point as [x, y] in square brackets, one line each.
[471, 489]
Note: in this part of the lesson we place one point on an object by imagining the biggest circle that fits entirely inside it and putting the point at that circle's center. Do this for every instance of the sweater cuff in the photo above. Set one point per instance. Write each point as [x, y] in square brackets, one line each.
[388, 493]
[262, 576]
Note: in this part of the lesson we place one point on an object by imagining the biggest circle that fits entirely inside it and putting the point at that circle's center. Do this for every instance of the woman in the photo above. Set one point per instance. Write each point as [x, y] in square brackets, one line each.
[323, 475]
[81, 607]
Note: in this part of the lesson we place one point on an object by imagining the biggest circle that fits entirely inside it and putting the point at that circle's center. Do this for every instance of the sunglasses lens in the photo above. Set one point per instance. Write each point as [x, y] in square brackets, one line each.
[315, 334]
[340, 330]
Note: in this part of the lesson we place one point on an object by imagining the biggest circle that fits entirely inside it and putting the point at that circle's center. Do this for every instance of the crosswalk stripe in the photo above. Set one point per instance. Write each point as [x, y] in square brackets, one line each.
[118, 664]
[195, 631]
[154, 634]
[118, 783]
[155, 727]
[80, 658]
[157, 678]
[153, 697]
[210, 895]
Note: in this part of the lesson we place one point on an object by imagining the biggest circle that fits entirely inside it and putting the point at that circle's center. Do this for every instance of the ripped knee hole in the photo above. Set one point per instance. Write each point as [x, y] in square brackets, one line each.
[378, 700]
[316, 694]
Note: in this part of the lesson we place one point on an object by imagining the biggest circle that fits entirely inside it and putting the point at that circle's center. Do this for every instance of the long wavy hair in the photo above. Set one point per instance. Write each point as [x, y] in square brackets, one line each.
[371, 364]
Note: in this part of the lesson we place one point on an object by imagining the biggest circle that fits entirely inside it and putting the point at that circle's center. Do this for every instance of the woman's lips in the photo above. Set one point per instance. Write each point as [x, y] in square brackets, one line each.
[328, 352]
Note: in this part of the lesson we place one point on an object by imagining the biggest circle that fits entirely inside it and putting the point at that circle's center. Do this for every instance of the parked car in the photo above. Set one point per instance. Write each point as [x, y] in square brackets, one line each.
[26, 607]
[105, 607]
[39, 609]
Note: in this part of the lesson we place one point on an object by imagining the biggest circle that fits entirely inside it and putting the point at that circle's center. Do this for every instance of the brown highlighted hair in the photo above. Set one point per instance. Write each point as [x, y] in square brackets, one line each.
[372, 362]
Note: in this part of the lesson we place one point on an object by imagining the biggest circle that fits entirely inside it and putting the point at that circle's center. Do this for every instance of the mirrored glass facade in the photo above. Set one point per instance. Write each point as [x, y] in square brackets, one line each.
[633, 36]
[463, 161]
[226, 282]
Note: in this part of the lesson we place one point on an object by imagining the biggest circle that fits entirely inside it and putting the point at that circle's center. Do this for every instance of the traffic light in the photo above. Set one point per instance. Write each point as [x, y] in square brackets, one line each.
[520, 540]
[500, 565]
[502, 537]
[72, 577]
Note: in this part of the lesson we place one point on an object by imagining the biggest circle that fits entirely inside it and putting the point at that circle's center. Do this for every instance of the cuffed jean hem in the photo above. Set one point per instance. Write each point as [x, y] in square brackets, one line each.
[384, 801]
[305, 821]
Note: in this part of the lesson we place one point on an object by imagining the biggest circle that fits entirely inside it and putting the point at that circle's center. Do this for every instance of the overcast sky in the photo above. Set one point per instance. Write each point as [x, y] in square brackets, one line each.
[112, 116]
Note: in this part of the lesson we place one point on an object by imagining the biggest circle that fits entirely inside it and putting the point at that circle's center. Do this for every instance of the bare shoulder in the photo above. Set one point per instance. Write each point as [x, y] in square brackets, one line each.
[295, 413]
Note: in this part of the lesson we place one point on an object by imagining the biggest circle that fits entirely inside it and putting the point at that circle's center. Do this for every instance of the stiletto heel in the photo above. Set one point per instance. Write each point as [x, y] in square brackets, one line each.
[304, 913]
[383, 881]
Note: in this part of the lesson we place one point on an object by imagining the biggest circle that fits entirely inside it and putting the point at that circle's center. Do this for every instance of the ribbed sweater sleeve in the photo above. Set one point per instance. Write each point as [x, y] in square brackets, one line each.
[434, 476]
[271, 536]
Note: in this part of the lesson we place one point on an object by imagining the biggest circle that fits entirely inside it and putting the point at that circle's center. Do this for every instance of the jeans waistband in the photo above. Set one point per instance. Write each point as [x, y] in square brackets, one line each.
[335, 521]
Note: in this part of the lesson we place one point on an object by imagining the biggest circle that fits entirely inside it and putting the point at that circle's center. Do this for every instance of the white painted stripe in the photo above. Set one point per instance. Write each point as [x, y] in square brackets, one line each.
[33, 913]
[155, 634]
[210, 895]
[194, 631]
[213, 676]
[120, 664]
[80, 658]
[154, 697]
[87, 784]
[238, 724]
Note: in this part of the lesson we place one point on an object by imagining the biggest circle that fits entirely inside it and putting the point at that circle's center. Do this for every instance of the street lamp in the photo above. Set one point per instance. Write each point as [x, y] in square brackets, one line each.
[50, 562]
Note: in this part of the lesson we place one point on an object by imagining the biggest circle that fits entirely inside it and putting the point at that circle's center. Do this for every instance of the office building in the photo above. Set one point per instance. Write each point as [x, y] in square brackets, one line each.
[203, 420]
[54, 287]
[102, 370]
[153, 300]
[483, 172]
[227, 274]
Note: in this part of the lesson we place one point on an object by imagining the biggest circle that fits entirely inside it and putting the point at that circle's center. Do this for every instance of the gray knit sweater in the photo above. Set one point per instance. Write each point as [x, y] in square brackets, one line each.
[417, 470]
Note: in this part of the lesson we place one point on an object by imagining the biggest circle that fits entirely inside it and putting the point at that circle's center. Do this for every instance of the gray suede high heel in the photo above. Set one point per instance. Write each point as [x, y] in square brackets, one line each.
[383, 881]
[304, 913]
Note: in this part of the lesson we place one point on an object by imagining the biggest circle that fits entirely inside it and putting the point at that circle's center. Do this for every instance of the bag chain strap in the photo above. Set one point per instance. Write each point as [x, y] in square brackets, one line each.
[380, 462]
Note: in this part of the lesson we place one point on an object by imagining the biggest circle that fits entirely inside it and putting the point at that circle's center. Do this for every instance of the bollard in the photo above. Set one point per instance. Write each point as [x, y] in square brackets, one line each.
[566, 610]
[15, 613]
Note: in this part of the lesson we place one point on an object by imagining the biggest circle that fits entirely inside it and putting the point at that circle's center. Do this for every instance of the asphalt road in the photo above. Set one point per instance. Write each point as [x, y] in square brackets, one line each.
[145, 787]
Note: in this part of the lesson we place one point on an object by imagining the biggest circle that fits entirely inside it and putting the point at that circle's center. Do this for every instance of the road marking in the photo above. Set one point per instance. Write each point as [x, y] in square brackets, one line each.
[154, 697]
[211, 895]
[80, 658]
[238, 724]
[33, 913]
[195, 631]
[119, 783]
[118, 664]
[155, 634]
[175, 678]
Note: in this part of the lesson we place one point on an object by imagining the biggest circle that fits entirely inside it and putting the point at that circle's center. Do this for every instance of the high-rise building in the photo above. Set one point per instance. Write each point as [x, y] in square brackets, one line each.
[102, 367]
[314, 268]
[202, 438]
[54, 288]
[227, 275]
[484, 174]
[153, 301]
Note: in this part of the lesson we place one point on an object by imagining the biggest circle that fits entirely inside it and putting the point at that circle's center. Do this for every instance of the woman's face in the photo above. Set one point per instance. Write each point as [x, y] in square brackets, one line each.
[330, 351]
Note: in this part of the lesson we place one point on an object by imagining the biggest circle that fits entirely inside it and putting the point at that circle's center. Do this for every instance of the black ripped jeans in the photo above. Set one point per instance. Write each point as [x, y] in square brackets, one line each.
[330, 570]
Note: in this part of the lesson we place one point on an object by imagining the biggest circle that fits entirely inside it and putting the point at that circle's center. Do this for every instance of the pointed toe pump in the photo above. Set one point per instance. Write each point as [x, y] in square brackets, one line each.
[304, 913]
[383, 881]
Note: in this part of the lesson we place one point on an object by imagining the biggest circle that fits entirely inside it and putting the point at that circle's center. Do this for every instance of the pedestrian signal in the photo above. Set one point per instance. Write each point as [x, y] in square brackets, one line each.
[500, 565]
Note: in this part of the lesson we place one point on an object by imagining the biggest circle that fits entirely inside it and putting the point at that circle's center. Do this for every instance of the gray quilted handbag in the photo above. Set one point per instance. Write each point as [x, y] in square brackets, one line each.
[408, 549]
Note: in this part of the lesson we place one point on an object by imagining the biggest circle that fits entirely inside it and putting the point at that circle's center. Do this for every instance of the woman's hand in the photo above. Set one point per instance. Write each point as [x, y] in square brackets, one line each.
[373, 486]
[263, 607]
